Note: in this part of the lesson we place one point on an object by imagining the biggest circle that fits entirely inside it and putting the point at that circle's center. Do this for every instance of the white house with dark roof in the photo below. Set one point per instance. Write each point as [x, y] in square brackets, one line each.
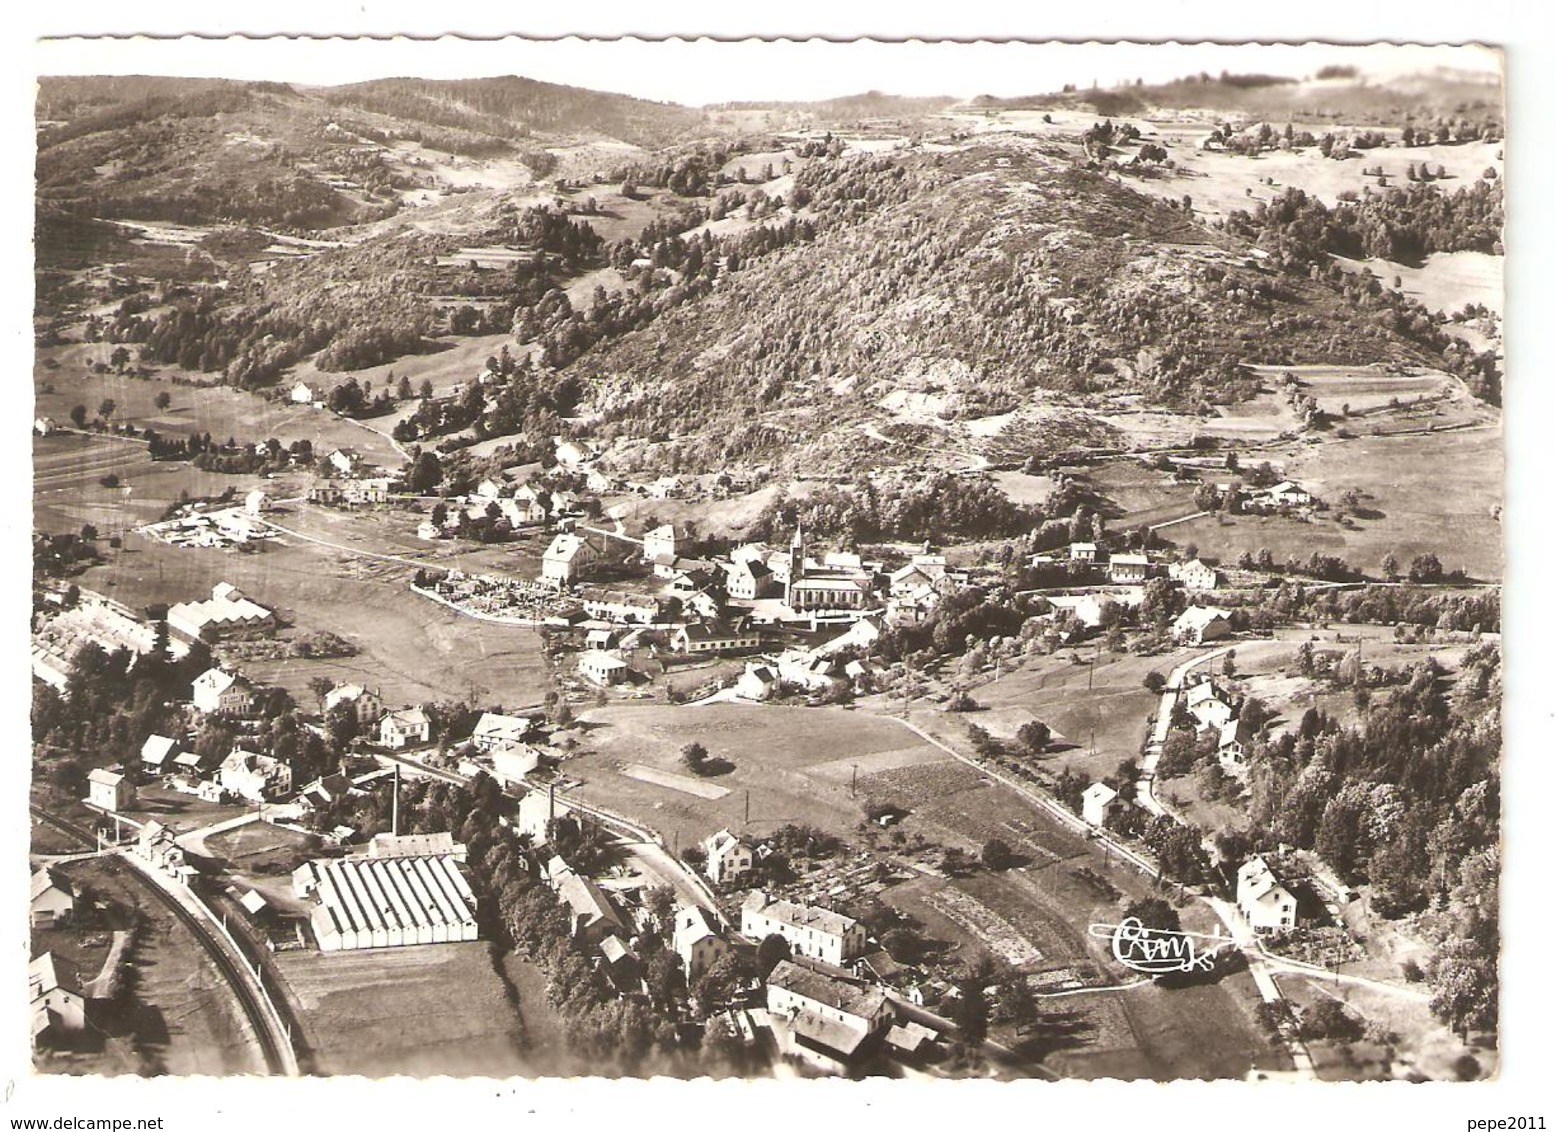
[57, 1000]
[1209, 705]
[255, 777]
[224, 692]
[757, 682]
[1264, 903]
[567, 559]
[659, 543]
[728, 857]
[697, 941]
[831, 1020]
[404, 728]
[1128, 569]
[494, 730]
[817, 933]
[367, 706]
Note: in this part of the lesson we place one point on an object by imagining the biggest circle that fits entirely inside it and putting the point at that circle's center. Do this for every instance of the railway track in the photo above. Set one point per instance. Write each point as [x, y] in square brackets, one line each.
[276, 1047]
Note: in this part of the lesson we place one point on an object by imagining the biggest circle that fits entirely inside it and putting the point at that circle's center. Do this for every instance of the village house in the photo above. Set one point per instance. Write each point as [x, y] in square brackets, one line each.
[1199, 624]
[567, 559]
[604, 668]
[429, 531]
[255, 777]
[728, 858]
[807, 670]
[817, 933]
[226, 616]
[659, 543]
[364, 492]
[1097, 803]
[495, 730]
[45, 426]
[110, 791]
[512, 762]
[158, 847]
[833, 1021]
[255, 502]
[757, 682]
[592, 917]
[538, 811]
[715, 638]
[57, 1000]
[1232, 745]
[529, 505]
[1285, 494]
[324, 791]
[1264, 903]
[1083, 552]
[304, 394]
[573, 454]
[667, 487]
[156, 753]
[1128, 569]
[404, 728]
[626, 608]
[223, 693]
[750, 579]
[53, 899]
[1209, 706]
[366, 706]
[697, 942]
[345, 461]
[1194, 575]
[324, 491]
[601, 483]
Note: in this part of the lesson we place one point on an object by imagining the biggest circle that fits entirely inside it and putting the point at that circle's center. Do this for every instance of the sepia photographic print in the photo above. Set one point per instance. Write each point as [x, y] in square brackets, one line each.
[768, 560]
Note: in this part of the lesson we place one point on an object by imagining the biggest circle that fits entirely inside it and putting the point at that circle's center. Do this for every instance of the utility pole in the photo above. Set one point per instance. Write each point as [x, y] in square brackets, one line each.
[853, 786]
[748, 807]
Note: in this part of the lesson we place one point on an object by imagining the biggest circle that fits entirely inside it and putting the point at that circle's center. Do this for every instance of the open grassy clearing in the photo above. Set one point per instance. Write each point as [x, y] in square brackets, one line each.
[796, 763]
[1362, 387]
[1437, 493]
[432, 1010]
[410, 648]
[221, 411]
[1446, 282]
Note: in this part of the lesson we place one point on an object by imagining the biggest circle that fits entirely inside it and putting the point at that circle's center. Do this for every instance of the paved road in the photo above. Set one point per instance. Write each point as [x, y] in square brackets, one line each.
[1145, 789]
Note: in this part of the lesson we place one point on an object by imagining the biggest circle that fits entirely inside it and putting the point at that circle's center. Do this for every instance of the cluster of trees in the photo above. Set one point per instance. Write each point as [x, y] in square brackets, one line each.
[62, 555]
[691, 172]
[1404, 223]
[941, 506]
[958, 622]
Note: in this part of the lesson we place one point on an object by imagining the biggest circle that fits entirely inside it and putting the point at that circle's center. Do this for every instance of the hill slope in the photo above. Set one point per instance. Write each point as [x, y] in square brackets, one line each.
[949, 287]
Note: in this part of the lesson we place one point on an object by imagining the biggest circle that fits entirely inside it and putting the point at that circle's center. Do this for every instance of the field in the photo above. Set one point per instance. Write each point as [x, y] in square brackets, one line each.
[67, 494]
[1098, 715]
[1439, 493]
[434, 1010]
[796, 764]
[1065, 884]
[218, 410]
[1444, 282]
[411, 648]
[183, 1013]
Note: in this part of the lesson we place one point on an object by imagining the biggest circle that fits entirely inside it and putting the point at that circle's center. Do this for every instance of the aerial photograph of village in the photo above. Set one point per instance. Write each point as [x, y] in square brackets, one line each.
[533, 580]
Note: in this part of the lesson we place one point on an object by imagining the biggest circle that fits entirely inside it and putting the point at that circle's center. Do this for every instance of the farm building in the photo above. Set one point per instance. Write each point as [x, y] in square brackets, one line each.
[1096, 803]
[227, 615]
[590, 911]
[817, 933]
[832, 1020]
[157, 752]
[109, 790]
[53, 899]
[728, 857]
[1200, 624]
[366, 902]
[304, 394]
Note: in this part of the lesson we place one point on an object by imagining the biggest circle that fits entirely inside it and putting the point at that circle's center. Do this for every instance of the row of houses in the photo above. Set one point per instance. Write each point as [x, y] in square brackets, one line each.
[1129, 569]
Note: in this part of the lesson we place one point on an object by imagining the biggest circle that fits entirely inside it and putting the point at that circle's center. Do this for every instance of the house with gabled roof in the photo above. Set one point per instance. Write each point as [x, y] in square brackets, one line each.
[1209, 705]
[728, 857]
[56, 996]
[157, 753]
[1097, 802]
[1264, 903]
[567, 559]
[109, 790]
[697, 941]
[220, 692]
[1201, 624]
[404, 728]
[53, 899]
[832, 1021]
[817, 933]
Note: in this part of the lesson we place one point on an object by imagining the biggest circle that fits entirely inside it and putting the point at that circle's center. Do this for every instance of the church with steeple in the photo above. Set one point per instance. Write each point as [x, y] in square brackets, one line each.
[842, 585]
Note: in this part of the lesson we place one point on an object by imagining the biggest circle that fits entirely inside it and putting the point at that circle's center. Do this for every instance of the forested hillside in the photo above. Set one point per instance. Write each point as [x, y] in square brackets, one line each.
[985, 277]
